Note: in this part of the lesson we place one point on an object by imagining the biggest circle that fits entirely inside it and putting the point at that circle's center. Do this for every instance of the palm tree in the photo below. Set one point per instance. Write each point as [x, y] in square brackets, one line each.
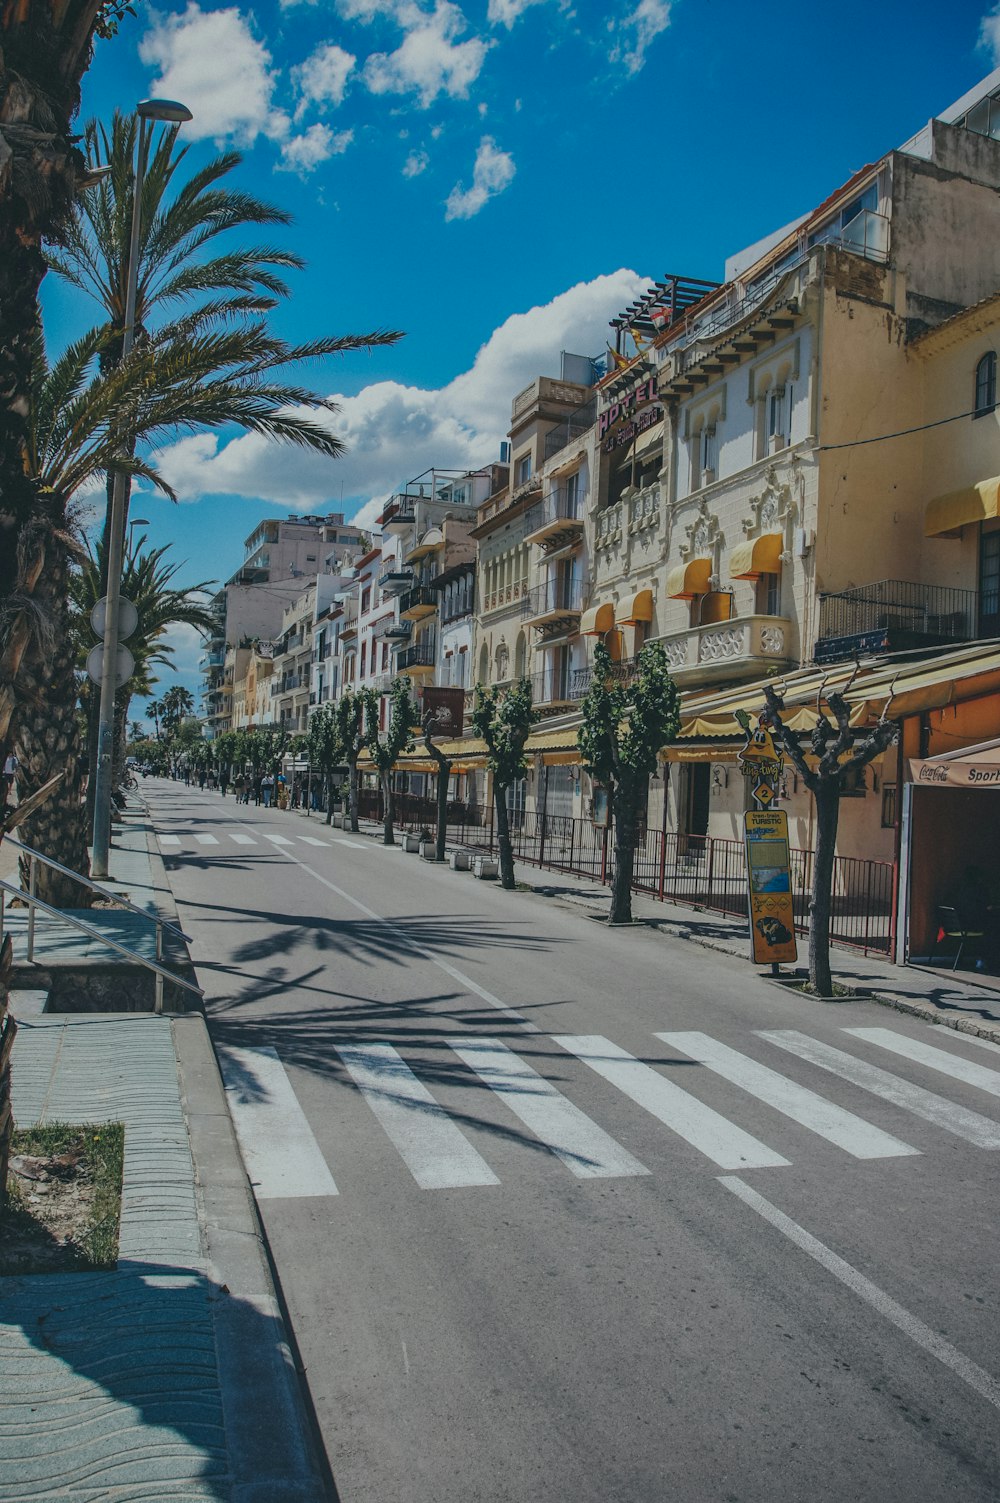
[178, 703]
[155, 709]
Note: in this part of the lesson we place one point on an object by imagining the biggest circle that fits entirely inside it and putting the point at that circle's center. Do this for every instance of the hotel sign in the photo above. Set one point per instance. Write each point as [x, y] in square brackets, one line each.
[629, 415]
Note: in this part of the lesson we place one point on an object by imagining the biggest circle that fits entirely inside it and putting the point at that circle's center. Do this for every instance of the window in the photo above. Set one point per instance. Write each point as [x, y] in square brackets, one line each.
[366, 598]
[523, 472]
[776, 438]
[709, 467]
[986, 384]
[768, 601]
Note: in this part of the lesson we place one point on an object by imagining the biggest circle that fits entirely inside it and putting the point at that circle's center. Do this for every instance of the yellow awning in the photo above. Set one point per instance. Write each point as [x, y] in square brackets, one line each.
[637, 607]
[598, 620]
[542, 740]
[689, 579]
[756, 556]
[975, 503]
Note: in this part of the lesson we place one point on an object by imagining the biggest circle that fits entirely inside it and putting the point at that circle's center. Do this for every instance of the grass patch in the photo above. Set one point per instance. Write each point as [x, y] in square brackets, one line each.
[64, 1199]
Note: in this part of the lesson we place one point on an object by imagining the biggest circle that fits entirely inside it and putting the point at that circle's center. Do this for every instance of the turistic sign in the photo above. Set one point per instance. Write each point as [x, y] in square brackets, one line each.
[769, 875]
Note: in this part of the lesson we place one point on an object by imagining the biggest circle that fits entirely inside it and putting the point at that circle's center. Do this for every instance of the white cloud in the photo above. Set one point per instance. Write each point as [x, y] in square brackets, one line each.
[415, 164]
[506, 12]
[322, 78]
[638, 31]
[429, 61]
[989, 35]
[393, 432]
[493, 172]
[231, 101]
[303, 154]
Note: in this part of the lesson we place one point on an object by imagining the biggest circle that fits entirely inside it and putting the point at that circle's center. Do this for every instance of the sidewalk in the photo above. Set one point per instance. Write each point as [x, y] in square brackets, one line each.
[170, 1377]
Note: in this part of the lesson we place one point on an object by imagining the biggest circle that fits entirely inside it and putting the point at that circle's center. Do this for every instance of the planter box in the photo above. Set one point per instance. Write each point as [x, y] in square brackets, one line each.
[428, 850]
[460, 861]
[486, 868]
[411, 843]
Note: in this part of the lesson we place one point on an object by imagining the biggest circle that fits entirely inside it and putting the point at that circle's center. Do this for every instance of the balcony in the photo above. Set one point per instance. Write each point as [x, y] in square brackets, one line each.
[400, 512]
[417, 660]
[553, 686]
[893, 615]
[581, 678]
[393, 581]
[417, 603]
[556, 520]
[557, 600]
[395, 631]
[349, 625]
[745, 647]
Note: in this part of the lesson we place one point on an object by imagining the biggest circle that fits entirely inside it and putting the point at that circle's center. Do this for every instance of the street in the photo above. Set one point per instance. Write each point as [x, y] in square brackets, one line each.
[567, 1212]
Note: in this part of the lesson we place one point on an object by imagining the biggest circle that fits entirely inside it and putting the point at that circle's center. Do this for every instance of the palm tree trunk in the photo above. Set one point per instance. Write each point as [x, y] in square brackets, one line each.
[48, 742]
[388, 808]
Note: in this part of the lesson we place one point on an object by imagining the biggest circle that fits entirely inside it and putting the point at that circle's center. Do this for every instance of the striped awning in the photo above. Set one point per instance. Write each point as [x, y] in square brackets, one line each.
[957, 509]
[756, 556]
[597, 620]
[637, 607]
[690, 579]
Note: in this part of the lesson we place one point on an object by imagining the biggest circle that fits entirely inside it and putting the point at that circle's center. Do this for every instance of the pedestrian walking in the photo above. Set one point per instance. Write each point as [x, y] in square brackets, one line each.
[267, 789]
[239, 787]
[201, 779]
[10, 767]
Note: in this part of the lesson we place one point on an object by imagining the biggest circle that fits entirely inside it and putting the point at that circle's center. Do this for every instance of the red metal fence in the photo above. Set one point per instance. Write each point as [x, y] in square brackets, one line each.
[699, 871]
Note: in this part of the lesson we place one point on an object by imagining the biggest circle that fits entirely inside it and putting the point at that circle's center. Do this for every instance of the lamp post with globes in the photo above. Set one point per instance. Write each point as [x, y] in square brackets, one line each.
[149, 111]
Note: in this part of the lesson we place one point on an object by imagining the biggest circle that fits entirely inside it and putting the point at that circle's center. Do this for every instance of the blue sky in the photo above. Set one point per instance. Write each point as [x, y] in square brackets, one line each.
[498, 178]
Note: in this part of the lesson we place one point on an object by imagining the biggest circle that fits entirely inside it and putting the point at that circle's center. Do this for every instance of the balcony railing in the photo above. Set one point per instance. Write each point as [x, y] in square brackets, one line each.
[739, 648]
[573, 427]
[553, 686]
[395, 579]
[420, 601]
[893, 614]
[558, 512]
[556, 597]
[420, 655]
[621, 673]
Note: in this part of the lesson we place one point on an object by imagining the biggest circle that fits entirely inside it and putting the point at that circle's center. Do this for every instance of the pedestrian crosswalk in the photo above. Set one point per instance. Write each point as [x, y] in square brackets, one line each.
[262, 839]
[403, 1090]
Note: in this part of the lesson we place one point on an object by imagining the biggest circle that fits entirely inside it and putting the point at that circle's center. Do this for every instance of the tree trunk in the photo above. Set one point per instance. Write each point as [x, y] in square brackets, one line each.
[48, 742]
[505, 850]
[624, 804]
[328, 795]
[444, 774]
[827, 796]
[388, 810]
[352, 794]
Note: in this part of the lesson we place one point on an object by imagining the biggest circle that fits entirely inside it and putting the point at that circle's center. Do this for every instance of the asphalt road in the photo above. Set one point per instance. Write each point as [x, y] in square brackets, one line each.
[568, 1213]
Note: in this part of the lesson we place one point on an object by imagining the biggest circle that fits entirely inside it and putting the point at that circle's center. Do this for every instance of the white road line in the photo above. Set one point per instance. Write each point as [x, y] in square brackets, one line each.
[206, 840]
[242, 839]
[973, 1038]
[170, 840]
[981, 1131]
[437, 1155]
[855, 1136]
[722, 1141]
[934, 1059]
[282, 1158]
[275, 839]
[585, 1149]
[311, 840]
[963, 1367]
[355, 845]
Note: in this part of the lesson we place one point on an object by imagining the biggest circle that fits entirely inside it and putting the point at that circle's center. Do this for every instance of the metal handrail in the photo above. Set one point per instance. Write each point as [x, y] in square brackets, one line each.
[151, 965]
[105, 892]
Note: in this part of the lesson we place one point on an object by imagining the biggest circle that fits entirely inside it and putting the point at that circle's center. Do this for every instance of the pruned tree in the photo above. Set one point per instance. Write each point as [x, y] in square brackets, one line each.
[386, 747]
[324, 749]
[838, 751]
[503, 719]
[350, 713]
[623, 726]
[427, 725]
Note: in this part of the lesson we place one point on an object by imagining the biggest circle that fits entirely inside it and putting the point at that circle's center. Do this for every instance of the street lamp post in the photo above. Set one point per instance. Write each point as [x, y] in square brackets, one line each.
[149, 110]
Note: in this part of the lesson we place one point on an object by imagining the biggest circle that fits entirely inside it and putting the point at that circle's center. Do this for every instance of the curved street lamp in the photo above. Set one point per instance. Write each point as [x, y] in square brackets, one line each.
[169, 112]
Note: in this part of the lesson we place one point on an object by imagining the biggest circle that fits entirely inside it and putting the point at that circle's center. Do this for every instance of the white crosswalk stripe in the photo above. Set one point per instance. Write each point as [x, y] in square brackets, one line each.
[855, 1136]
[311, 840]
[436, 1153]
[933, 1058]
[206, 840]
[281, 1156]
[933, 1108]
[722, 1141]
[275, 839]
[242, 839]
[586, 1149]
[356, 845]
[171, 840]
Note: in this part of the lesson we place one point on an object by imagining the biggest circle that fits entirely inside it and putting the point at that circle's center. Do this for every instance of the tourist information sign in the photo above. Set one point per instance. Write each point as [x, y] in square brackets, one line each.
[765, 829]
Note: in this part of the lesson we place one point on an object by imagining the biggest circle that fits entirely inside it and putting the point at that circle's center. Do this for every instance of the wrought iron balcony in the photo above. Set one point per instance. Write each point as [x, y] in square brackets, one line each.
[395, 579]
[621, 673]
[418, 602]
[892, 615]
[558, 514]
[420, 655]
[553, 600]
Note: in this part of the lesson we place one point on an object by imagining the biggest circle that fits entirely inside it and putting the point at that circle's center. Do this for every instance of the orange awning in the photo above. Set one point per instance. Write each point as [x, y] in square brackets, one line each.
[756, 556]
[689, 579]
[637, 607]
[974, 503]
[598, 620]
